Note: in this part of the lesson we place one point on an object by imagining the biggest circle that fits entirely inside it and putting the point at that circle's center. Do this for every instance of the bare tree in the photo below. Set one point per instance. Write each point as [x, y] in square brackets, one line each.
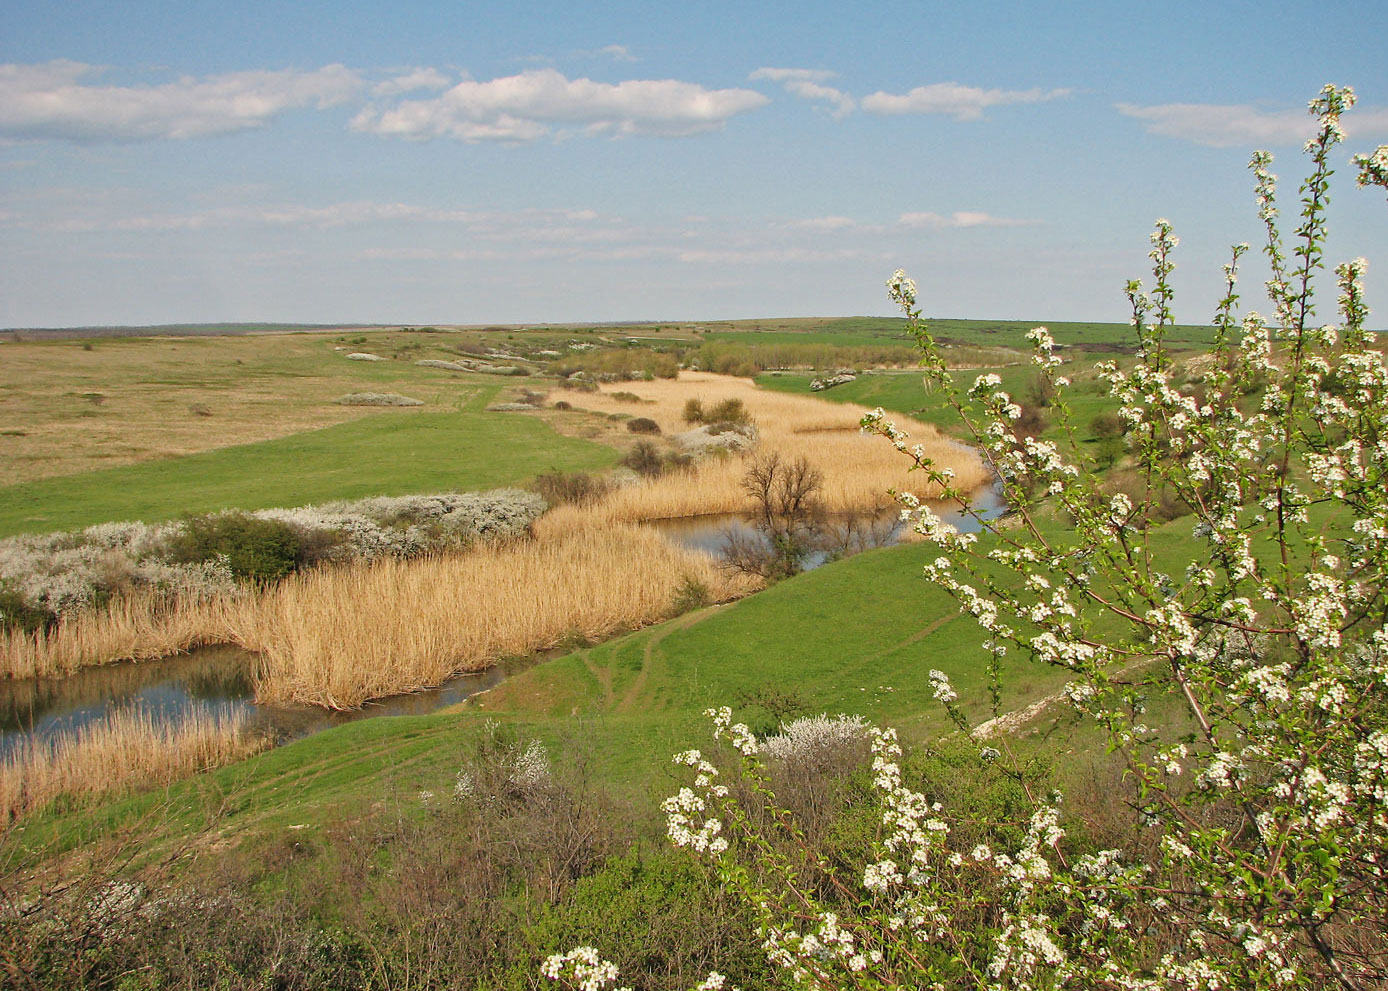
[788, 514]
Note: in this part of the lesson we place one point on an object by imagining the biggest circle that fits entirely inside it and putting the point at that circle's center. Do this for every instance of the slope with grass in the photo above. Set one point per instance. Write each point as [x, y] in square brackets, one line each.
[396, 452]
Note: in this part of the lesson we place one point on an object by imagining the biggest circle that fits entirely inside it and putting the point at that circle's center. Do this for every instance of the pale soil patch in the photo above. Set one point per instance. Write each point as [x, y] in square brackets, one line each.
[65, 410]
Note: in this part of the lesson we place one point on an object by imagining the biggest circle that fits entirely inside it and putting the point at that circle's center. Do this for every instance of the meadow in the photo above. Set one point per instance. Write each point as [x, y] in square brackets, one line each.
[411, 850]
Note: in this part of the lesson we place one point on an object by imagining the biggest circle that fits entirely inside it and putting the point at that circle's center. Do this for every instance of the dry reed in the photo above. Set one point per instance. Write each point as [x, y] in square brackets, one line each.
[858, 469]
[338, 637]
[126, 750]
[134, 627]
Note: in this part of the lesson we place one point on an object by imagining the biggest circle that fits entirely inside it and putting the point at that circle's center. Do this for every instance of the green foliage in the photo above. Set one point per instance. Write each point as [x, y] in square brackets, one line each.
[255, 549]
[643, 425]
[692, 594]
[17, 613]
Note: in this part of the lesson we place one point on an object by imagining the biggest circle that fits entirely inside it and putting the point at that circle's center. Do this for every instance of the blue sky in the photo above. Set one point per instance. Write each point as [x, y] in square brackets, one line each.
[425, 162]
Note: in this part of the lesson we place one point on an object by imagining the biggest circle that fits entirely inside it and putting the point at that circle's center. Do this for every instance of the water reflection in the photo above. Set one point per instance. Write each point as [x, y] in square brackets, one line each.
[846, 534]
[208, 680]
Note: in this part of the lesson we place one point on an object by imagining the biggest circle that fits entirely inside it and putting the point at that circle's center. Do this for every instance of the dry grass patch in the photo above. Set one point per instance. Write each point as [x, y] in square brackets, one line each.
[135, 627]
[858, 469]
[339, 637]
[127, 749]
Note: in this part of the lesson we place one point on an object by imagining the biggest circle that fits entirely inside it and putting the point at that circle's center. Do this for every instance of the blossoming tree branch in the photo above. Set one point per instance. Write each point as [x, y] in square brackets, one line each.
[1257, 858]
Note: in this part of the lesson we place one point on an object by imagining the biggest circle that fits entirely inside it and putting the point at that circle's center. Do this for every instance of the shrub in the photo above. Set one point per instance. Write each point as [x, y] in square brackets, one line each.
[253, 548]
[577, 487]
[643, 425]
[731, 411]
[694, 410]
[16, 613]
[644, 458]
[377, 399]
[692, 594]
[1106, 425]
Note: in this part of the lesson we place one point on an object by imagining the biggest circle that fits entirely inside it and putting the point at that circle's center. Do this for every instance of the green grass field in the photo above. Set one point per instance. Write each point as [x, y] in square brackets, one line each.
[394, 452]
[851, 331]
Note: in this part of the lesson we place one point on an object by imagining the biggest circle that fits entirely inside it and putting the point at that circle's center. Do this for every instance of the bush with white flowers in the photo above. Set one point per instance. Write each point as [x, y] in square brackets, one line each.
[1259, 854]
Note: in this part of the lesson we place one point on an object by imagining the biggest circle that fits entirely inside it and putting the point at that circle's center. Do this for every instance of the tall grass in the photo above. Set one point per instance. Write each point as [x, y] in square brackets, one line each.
[135, 627]
[126, 750]
[858, 469]
[338, 637]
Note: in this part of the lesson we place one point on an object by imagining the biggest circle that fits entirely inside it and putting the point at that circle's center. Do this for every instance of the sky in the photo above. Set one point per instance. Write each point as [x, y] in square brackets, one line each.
[470, 163]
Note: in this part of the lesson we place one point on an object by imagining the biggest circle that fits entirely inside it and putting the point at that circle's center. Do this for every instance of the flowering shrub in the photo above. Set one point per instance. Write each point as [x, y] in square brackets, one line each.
[1263, 819]
[57, 573]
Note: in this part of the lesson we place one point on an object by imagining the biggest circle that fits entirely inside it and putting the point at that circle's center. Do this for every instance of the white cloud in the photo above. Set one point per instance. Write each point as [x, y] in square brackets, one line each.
[532, 104]
[576, 225]
[766, 256]
[808, 85]
[414, 79]
[617, 53]
[55, 100]
[1235, 125]
[958, 219]
[824, 224]
[960, 102]
[784, 75]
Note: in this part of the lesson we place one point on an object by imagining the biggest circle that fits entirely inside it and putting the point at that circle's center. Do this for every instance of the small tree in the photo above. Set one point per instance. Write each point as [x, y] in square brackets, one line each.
[787, 515]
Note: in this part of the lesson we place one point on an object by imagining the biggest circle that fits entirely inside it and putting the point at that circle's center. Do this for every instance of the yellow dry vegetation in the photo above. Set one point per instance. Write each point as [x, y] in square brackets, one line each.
[137, 626]
[858, 469]
[337, 637]
[126, 749]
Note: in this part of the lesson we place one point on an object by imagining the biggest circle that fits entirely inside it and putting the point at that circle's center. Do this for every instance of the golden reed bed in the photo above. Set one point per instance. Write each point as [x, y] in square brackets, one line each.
[336, 637]
[858, 469]
[122, 751]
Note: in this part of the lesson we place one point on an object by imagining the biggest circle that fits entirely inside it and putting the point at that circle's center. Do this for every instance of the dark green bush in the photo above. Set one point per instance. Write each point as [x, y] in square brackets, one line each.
[643, 425]
[16, 614]
[728, 411]
[1107, 424]
[255, 549]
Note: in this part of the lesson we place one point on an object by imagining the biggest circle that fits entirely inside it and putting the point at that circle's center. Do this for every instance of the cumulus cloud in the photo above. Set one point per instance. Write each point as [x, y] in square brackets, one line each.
[535, 102]
[414, 79]
[808, 84]
[958, 219]
[959, 102]
[1236, 125]
[60, 100]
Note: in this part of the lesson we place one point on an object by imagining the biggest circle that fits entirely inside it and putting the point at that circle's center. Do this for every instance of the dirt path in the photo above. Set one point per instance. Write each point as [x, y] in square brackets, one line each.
[639, 683]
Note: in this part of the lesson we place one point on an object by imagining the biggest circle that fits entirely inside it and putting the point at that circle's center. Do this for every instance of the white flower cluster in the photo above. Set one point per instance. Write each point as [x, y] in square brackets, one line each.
[812, 737]
[67, 571]
[582, 968]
